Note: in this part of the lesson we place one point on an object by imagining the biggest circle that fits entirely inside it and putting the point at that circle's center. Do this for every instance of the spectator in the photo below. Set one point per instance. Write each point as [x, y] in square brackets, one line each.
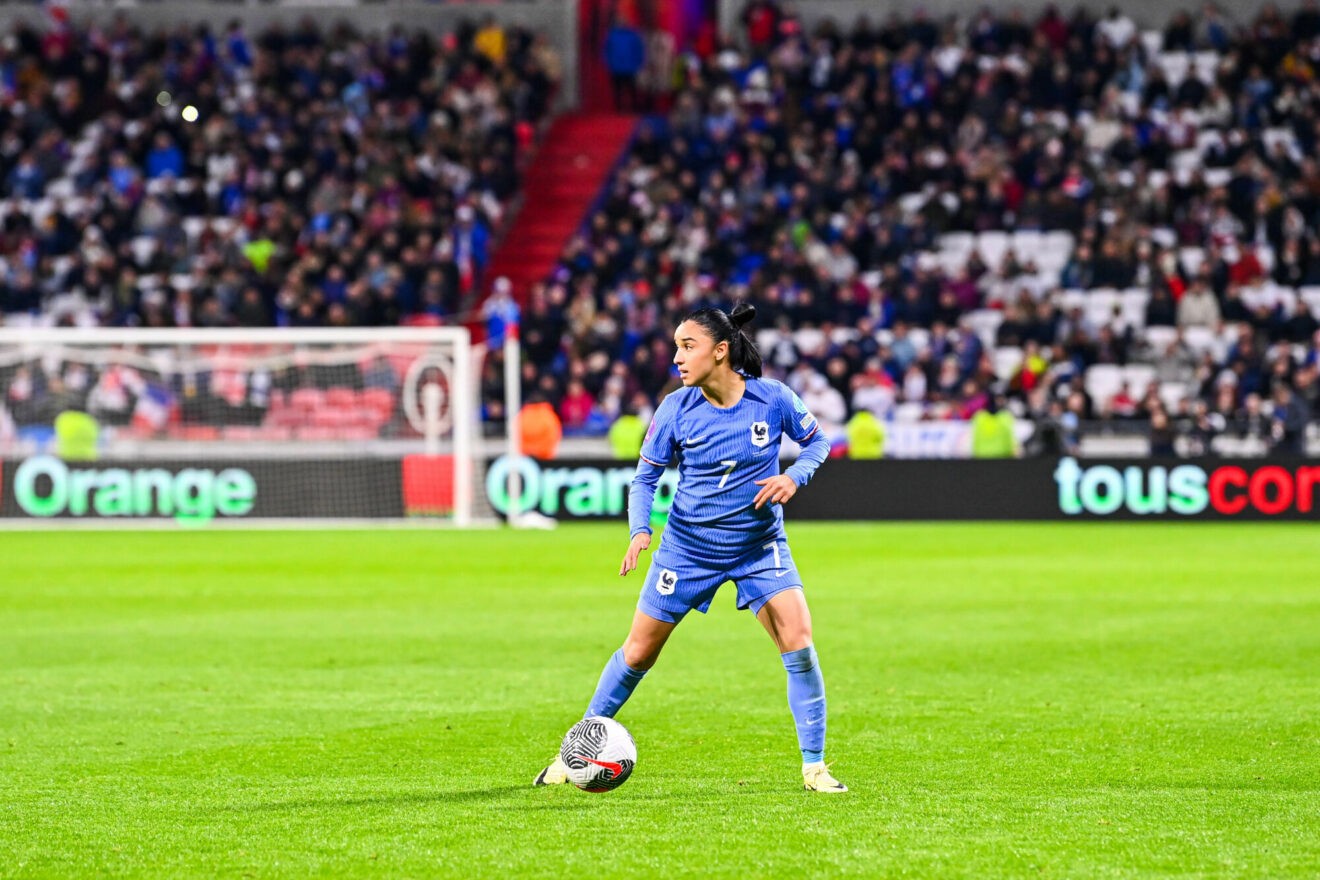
[539, 429]
[1161, 310]
[576, 406]
[994, 431]
[625, 54]
[626, 435]
[874, 391]
[1198, 308]
[761, 18]
[1291, 416]
[165, 158]
[1250, 423]
[866, 436]
[26, 180]
[501, 313]
[471, 243]
[490, 41]
[1116, 29]
[1161, 434]
[76, 436]
[827, 404]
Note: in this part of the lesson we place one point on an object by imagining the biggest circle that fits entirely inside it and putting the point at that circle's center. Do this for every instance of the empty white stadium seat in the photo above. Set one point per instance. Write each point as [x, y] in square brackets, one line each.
[809, 340]
[1205, 65]
[992, 245]
[1175, 66]
[985, 324]
[1102, 382]
[1059, 240]
[1191, 258]
[61, 188]
[1007, 359]
[1027, 243]
[1199, 339]
[909, 411]
[1286, 299]
[911, 203]
[1311, 296]
[1099, 307]
[958, 242]
[1138, 377]
[1069, 299]
[1159, 338]
[1184, 162]
[1172, 393]
[144, 247]
[1135, 297]
[1163, 235]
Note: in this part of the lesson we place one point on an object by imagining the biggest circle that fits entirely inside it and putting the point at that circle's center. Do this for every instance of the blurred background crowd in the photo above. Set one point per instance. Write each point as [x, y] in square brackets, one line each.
[315, 177]
[1080, 220]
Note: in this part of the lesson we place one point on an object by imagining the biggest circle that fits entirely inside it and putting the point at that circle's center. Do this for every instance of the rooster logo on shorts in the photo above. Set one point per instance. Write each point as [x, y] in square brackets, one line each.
[668, 580]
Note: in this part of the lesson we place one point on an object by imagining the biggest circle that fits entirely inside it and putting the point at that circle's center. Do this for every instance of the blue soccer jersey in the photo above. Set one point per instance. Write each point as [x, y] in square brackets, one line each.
[721, 453]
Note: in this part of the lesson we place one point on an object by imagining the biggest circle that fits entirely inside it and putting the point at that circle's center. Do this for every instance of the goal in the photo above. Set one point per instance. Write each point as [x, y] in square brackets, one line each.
[262, 425]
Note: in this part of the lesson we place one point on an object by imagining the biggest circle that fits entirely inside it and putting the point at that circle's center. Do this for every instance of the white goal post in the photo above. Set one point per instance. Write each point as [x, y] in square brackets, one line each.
[263, 425]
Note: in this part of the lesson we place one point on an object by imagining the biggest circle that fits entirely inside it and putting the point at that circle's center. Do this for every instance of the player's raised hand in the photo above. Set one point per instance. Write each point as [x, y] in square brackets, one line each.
[641, 541]
[775, 490]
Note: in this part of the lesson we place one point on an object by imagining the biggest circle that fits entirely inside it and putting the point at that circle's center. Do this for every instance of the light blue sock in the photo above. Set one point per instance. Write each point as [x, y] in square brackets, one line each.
[617, 682]
[806, 697]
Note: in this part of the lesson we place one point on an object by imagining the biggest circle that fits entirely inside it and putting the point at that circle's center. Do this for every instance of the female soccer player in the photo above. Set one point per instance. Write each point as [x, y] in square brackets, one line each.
[723, 427]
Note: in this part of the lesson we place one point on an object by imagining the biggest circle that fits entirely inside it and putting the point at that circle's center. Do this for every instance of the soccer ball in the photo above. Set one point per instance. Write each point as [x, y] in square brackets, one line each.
[599, 752]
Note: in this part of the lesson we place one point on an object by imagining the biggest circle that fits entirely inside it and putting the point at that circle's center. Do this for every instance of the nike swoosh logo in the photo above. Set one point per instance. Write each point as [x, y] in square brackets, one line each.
[780, 574]
[616, 769]
[694, 441]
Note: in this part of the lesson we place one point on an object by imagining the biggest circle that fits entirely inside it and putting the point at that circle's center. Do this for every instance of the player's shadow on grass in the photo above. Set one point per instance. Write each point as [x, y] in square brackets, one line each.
[412, 797]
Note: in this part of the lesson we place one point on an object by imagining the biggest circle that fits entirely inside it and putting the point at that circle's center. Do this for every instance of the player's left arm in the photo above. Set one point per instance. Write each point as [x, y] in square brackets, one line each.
[802, 428]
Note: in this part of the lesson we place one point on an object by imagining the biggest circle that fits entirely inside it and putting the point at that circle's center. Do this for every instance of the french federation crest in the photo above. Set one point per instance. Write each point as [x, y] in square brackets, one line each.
[667, 582]
[760, 433]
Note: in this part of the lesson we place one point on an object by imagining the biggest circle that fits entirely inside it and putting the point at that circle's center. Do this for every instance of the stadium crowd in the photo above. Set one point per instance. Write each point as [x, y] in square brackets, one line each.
[299, 176]
[1070, 217]
[852, 183]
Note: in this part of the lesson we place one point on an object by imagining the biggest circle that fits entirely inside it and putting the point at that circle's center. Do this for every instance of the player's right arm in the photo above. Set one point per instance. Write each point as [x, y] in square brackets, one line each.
[641, 495]
[640, 541]
[658, 451]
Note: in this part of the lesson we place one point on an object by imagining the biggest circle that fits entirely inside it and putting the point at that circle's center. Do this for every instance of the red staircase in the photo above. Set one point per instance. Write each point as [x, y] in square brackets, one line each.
[562, 181]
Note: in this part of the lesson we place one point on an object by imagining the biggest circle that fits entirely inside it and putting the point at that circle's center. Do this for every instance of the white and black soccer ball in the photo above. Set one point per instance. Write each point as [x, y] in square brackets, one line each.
[599, 752]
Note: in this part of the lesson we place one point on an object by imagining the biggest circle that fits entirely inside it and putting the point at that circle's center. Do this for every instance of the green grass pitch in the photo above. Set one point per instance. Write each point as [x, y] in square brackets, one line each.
[1013, 700]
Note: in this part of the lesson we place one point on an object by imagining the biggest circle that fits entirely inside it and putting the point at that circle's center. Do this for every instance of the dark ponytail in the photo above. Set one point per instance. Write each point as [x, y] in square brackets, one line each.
[743, 355]
[742, 350]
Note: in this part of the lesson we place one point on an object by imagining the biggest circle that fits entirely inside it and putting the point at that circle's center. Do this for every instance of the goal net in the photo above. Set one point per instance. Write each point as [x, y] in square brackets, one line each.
[200, 426]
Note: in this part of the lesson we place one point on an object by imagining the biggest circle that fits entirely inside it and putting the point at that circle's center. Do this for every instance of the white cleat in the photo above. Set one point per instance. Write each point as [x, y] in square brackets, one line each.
[816, 777]
[555, 774]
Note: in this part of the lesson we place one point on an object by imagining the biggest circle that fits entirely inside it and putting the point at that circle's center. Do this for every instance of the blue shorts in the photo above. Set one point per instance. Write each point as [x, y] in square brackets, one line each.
[677, 583]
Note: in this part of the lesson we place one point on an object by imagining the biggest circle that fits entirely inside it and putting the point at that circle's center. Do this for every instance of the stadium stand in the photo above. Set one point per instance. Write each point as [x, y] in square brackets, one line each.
[1091, 220]
[1067, 211]
[325, 177]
